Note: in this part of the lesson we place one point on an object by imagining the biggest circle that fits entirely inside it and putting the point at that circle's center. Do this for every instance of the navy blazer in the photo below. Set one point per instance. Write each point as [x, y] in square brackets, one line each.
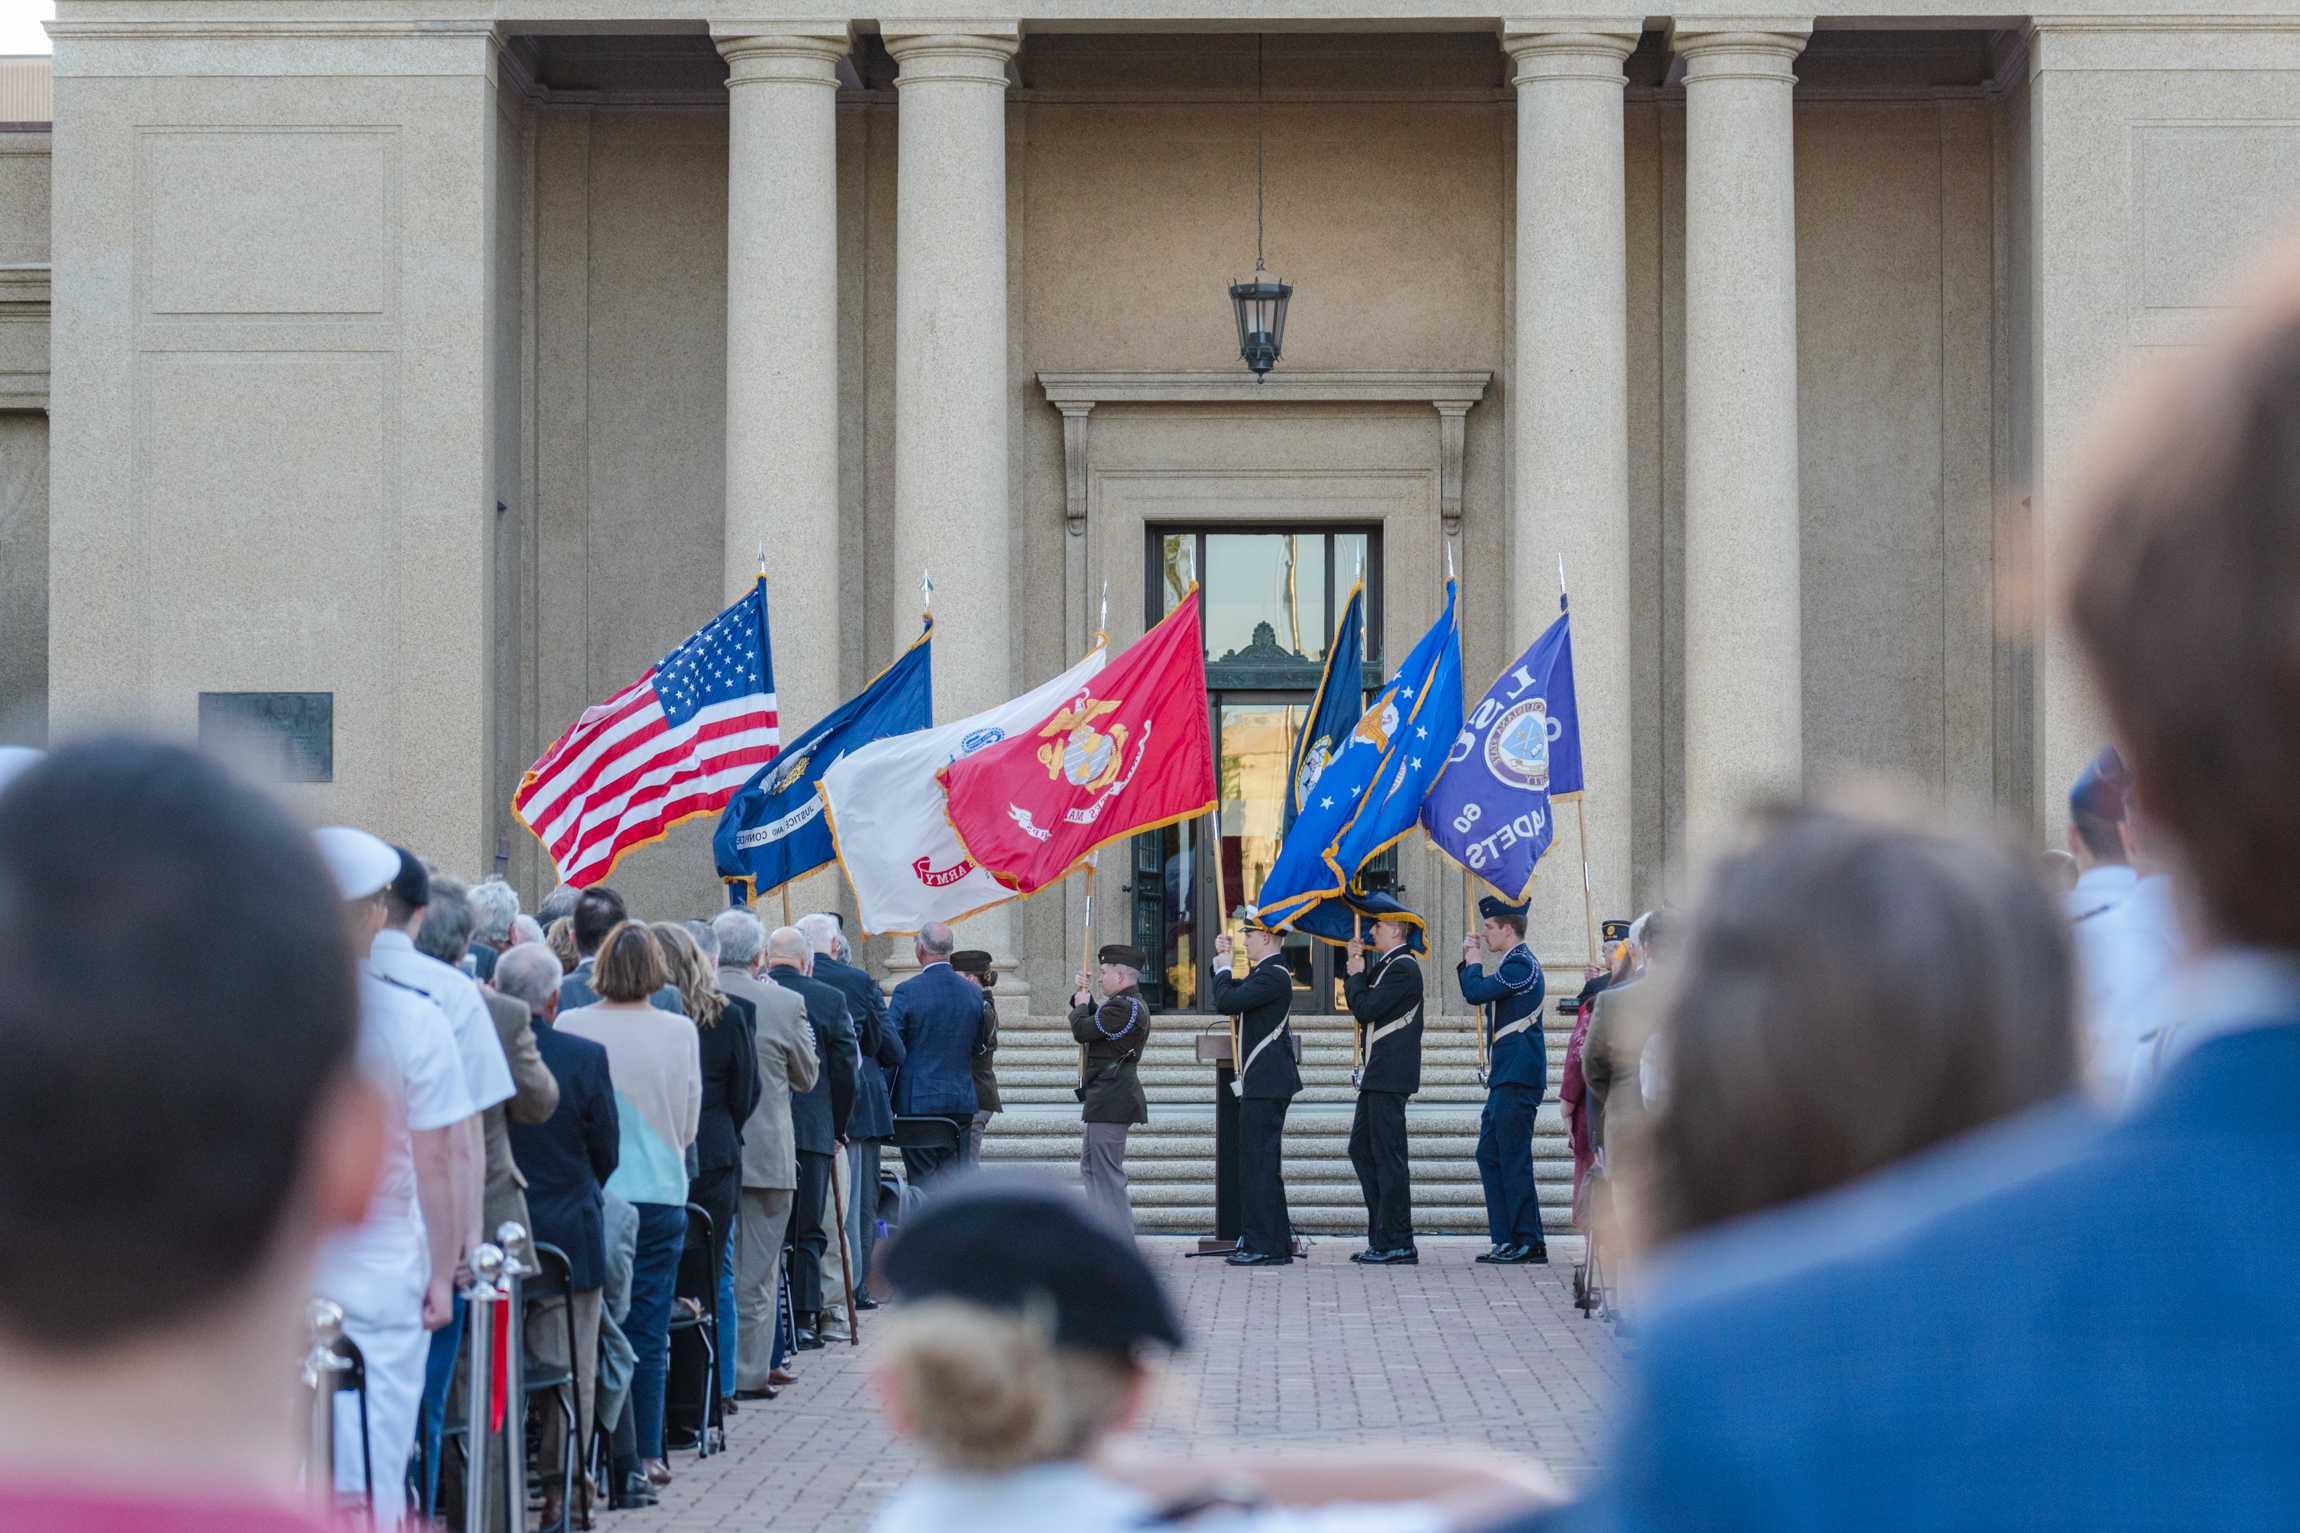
[821, 1114]
[1512, 992]
[568, 1157]
[938, 1016]
[2055, 1323]
[730, 1054]
[881, 1050]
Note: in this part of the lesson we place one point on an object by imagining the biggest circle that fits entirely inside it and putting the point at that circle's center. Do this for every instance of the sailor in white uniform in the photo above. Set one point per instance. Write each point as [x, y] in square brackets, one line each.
[392, 1275]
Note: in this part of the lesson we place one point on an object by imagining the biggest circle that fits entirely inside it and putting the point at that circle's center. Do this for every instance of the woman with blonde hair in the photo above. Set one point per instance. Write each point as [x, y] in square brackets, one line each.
[654, 1059]
[1021, 1347]
[728, 1028]
[559, 936]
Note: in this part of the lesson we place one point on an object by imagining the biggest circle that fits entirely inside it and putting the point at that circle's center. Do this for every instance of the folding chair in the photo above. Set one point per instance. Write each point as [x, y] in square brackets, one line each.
[698, 1282]
[554, 1280]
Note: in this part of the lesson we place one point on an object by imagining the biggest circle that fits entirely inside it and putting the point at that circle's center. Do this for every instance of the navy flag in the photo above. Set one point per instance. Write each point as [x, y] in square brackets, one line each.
[1517, 754]
[1341, 698]
[773, 829]
[1369, 792]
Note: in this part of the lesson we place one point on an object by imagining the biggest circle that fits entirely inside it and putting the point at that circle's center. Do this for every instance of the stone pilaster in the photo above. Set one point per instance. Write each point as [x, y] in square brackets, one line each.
[1743, 672]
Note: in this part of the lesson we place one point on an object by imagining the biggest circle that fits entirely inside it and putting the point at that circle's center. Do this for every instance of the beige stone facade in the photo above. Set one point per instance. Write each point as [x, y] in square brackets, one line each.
[457, 360]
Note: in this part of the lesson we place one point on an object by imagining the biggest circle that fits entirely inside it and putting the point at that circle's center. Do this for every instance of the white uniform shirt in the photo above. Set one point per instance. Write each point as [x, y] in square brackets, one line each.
[1070, 1498]
[2131, 957]
[2097, 888]
[377, 1271]
[486, 1074]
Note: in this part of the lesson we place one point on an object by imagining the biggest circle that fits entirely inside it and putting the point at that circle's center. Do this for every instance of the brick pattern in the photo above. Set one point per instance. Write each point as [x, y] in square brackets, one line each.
[1318, 1352]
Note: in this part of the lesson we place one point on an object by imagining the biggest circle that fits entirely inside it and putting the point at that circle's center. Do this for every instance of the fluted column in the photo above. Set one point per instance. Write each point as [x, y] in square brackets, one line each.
[1569, 416]
[1743, 673]
[952, 514]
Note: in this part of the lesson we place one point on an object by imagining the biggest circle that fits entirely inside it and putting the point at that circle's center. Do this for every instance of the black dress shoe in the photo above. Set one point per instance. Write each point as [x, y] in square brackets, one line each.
[1255, 1259]
[1493, 1255]
[1402, 1256]
[757, 1394]
[865, 1302]
[808, 1341]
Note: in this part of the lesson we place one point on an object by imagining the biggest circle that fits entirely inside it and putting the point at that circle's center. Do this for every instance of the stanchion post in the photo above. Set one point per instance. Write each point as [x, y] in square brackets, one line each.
[320, 1366]
[518, 1265]
[483, 1302]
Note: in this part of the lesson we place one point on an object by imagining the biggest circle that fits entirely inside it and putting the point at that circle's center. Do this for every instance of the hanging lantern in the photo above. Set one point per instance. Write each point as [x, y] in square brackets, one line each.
[1261, 305]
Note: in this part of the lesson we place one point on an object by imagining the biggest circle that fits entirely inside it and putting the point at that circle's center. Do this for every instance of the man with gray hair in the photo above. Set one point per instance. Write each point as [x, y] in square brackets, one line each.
[494, 906]
[559, 902]
[525, 929]
[819, 1120]
[787, 1064]
[937, 1016]
[872, 1124]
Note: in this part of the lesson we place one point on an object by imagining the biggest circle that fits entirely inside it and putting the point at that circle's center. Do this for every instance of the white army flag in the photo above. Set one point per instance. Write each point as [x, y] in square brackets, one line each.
[886, 812]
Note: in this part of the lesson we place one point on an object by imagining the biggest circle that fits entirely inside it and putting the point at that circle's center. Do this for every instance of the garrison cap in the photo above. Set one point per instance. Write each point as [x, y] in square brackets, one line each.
[1132, 957]
[1612, 931]
[2100, 788]
[1493, 907]
[974, 961]
[413, 884]
[1020, 1244]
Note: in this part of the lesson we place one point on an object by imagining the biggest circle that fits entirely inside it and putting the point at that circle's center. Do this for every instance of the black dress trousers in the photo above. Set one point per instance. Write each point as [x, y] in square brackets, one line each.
[1378, 1152]
[809, 1236]
[1268, 1229]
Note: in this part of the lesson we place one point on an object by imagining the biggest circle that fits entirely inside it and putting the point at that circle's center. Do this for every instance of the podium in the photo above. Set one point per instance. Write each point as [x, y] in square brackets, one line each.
[1229, 1211]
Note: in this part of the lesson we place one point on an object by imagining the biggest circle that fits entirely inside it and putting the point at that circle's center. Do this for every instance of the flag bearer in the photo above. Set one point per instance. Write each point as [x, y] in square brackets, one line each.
[1114, 1032]
[1385, 996]
[1266, 1084]
[1517, 1072]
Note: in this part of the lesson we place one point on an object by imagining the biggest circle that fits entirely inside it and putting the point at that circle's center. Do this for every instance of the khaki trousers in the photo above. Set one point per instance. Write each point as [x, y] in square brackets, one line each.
[758, 1266]
[547, 1344]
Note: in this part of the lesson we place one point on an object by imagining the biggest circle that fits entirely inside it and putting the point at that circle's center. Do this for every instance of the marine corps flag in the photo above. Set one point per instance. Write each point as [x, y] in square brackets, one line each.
[1128, 751]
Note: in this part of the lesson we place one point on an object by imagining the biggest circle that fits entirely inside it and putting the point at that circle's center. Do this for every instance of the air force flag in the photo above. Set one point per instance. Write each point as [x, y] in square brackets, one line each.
[1518, 752]
[1340, 699]
[773, 829]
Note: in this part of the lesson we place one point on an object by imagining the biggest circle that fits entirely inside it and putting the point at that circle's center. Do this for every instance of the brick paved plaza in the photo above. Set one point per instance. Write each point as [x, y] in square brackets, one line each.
[1322, 1352]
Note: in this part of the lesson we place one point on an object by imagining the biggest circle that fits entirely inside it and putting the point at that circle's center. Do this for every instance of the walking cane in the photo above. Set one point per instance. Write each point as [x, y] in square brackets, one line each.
[846, 1263]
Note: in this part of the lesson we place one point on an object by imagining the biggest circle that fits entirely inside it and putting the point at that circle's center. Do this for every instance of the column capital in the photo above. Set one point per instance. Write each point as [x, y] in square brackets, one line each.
[1570, 47]
[956, 51]
[797, 52]
[1741, 47]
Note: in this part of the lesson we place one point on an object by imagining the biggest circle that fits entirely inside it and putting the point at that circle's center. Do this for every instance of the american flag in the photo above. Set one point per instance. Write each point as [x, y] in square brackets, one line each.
[674, 744]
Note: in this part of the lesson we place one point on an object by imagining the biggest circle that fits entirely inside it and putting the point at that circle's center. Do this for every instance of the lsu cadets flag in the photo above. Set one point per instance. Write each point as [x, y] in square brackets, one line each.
[1129, 753]
[773, 829]
[1518, 752]
[1307, 868]
[885, 810]
[674, 744]
[1341, 697]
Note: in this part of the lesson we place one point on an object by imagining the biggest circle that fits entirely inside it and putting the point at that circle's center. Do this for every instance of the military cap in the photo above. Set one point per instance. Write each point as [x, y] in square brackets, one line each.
[2100, 788]
[974, 961]
[1251, 919]
[1021, 1245]
[361, 865]
[1132, 957]
[1613, 931]
[1493, 907]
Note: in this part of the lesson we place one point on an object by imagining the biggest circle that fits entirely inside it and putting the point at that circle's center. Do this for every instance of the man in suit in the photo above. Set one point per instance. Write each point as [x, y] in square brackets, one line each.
[1516, 1075]
[974, 965]
[1385, 996]
[1267, 1082]
[938, 1017]
[873, 1122]
[788, 1066]
[819, 1118]
[1112, 1033]
[1991, 1336]
[494, 906]
[565, 1160]
[598, 911]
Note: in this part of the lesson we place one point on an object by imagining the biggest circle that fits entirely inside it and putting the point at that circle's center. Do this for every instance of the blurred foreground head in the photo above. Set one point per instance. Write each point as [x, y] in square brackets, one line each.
[1856, 987]
[2185, 594]
[1022, 1327]
[171, 1129]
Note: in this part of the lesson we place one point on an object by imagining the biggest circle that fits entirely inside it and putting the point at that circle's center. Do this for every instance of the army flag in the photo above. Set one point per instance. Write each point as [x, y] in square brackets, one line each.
[1388, 758]
[1130, 752]
[773, 830]
[1517, 754]
[1340, 698]
[885, 810]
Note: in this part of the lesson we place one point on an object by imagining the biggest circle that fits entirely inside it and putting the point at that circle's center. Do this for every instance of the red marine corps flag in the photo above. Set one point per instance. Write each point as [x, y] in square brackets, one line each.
[1129, 751]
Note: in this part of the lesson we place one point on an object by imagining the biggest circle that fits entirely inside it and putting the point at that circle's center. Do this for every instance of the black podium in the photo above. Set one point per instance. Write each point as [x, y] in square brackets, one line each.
[1229, 1210]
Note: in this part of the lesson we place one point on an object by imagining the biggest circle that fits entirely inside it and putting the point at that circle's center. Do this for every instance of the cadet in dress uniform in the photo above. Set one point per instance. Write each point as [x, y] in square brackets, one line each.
[1266, 1085]
[1114, 1031]
[1516, 1074]
[1385, 996]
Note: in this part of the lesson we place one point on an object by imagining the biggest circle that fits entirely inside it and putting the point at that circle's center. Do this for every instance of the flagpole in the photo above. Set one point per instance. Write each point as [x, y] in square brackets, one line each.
[786, 893]
[1581, 815]
[1222, 927]
[1085, 946]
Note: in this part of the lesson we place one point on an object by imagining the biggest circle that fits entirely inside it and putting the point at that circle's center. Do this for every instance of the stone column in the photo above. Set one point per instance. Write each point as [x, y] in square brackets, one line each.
[953, 518]
[1569, 435]
[783, 360]
[1743, 673]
